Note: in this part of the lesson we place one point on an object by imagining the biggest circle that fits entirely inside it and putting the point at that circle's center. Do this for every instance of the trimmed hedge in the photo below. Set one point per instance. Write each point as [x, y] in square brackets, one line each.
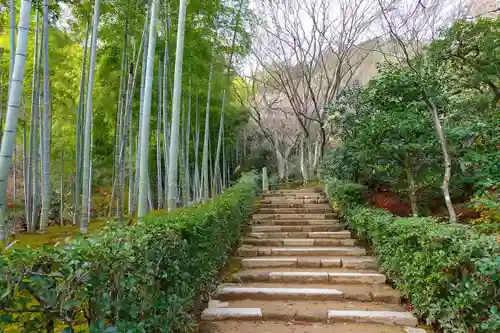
[146, 278]
[449, 272]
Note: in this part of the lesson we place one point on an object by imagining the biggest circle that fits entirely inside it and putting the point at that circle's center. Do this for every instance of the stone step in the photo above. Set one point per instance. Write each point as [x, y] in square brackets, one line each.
[312, 210]
[281, 313]
[282, 200]
[303, 196]
[297, 190]
[297, 326]
[307, 277]
[311, 262]
[291, 193]
[375, 317]
[251, 251]
[293, 216]
[214, 314]
[379, 293]
[298, 310]
[300, 242]
[327, 234]
[294, 205]
[227, 293]
[295, 222]
[296, 228]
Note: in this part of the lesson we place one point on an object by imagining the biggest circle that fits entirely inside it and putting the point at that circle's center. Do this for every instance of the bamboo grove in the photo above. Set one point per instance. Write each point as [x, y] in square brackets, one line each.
[118, 107]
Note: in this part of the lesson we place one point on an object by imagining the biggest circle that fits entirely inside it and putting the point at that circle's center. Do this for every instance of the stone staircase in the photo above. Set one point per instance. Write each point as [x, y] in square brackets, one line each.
[299, 266]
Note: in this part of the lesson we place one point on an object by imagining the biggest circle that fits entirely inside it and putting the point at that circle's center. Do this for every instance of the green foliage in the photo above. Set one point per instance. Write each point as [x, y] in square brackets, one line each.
[488, 205]
[66, 56]
[470, 50]
[385, 129]
[341, 163]
[344, 193]
[449, 272]
[144, 278]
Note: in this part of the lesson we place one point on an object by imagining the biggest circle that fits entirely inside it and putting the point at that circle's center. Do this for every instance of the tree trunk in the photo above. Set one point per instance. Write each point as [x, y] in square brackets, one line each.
[141, 107]
[78, 176]
[446, 157]
[126, 121]
[412, 195]
[146, 115]
[219, 145]
[176, 112]
[205, 192]
[133, 182]
[15, 92]
[186, 140]
[61, 192]
[88, 124]
[159, 177]
[46, 197]
[119, 125]
[166, 141]
[26, 175]
[36, 139]
[196, 177]
[281, 165]
[12, 38]
[304, 169]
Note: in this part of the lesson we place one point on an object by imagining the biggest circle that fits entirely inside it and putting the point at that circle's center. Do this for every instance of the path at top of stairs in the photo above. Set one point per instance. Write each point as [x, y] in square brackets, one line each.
[302, 271]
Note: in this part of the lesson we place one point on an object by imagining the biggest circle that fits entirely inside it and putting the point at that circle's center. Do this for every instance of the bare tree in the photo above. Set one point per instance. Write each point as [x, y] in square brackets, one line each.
[311, 50]
[278, 125]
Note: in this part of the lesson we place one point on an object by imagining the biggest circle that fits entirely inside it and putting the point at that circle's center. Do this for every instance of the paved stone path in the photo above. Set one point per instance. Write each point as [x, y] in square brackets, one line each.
[300, 267]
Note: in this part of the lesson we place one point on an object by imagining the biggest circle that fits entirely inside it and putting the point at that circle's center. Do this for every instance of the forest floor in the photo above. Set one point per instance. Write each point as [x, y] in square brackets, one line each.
[56, 234]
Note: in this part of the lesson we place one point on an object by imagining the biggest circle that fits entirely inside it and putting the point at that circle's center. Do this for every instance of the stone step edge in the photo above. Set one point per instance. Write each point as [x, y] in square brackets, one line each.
[236, 291]
[311, 277]
[295, 228]
[304, 251]
[298, 222]
[356, 263]
[293, 216]
[299, 241]
[230, 292]
[356, 316]
[303, 234]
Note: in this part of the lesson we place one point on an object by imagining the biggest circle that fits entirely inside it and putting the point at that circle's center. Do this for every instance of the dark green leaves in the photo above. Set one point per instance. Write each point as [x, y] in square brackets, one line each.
[145, 278]
[448, 271]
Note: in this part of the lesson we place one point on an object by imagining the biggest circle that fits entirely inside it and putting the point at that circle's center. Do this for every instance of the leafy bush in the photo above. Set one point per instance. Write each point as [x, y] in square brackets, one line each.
[448, 271]
[145, 278]
[344, 193]
[387, 136]
[340, 163]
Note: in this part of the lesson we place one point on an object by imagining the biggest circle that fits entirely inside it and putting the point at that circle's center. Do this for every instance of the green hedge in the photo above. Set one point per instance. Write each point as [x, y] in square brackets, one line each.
[449, 272]
[146, 278]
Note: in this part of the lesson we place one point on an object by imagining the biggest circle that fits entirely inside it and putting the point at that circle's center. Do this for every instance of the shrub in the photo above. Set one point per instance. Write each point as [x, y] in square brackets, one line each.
[344, 193]
[145, 278]
[449, 272]
[342, 164]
